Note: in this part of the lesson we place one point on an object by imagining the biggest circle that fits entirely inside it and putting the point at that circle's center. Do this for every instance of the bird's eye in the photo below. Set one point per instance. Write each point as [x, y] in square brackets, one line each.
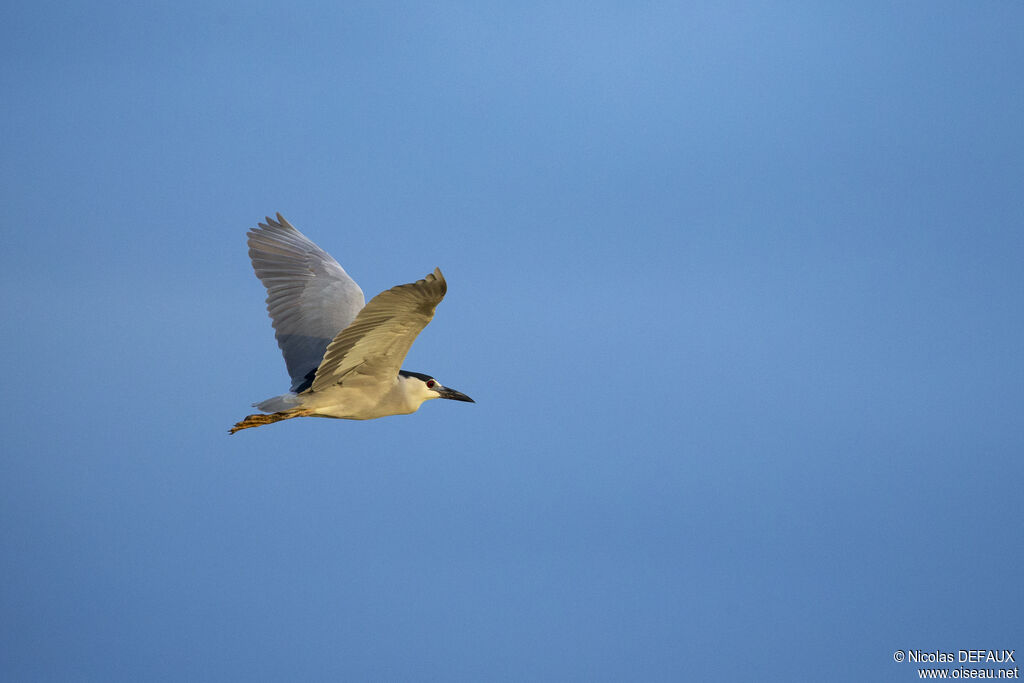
[430, 384]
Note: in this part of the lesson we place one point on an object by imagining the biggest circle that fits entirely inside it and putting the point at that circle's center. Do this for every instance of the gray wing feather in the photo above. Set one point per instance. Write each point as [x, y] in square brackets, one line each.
[376, 342]
[310, 298]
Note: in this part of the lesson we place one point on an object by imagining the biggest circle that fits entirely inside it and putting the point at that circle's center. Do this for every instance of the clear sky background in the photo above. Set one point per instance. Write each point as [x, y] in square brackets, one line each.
[737, 288]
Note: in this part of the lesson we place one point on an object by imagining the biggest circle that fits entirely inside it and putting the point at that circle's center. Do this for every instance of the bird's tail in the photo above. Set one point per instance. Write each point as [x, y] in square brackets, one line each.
[279, 404]
[260, 419]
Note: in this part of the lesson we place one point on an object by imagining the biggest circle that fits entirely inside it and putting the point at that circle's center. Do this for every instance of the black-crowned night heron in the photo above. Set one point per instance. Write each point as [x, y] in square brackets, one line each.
[344, 358]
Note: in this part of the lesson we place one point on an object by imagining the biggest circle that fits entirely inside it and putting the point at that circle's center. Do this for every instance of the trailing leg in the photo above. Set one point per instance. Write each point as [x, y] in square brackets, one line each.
[261, 419]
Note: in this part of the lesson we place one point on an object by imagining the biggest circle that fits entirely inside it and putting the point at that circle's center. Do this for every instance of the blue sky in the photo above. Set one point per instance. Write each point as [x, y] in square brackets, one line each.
[737, 288]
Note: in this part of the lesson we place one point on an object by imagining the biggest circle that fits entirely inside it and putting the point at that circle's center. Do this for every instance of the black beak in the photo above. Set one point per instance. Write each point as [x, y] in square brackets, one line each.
[455, 395]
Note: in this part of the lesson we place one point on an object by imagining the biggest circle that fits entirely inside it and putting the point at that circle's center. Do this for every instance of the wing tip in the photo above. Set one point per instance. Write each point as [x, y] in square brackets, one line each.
[438, 277]
[280, 224]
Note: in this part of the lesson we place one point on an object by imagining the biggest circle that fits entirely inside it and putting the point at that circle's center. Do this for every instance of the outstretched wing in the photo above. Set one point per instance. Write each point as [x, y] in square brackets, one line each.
[375, 343]
[310, 297]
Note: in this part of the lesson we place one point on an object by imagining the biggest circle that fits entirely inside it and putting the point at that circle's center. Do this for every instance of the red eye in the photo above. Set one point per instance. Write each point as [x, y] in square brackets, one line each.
[430, 384]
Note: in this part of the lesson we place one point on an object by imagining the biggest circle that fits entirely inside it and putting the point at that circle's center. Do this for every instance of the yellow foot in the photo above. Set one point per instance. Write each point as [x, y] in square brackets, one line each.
[260, 419]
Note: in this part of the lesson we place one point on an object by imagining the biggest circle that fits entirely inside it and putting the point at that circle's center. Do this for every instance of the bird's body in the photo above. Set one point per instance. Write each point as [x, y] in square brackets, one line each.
[356, 400]
[344, 358]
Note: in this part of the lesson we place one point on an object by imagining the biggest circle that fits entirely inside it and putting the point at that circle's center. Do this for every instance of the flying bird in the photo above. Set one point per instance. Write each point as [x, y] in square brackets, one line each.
[344, 358]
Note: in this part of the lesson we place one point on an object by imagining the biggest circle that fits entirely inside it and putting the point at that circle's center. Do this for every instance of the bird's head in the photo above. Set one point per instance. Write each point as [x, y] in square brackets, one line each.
[424, 387]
